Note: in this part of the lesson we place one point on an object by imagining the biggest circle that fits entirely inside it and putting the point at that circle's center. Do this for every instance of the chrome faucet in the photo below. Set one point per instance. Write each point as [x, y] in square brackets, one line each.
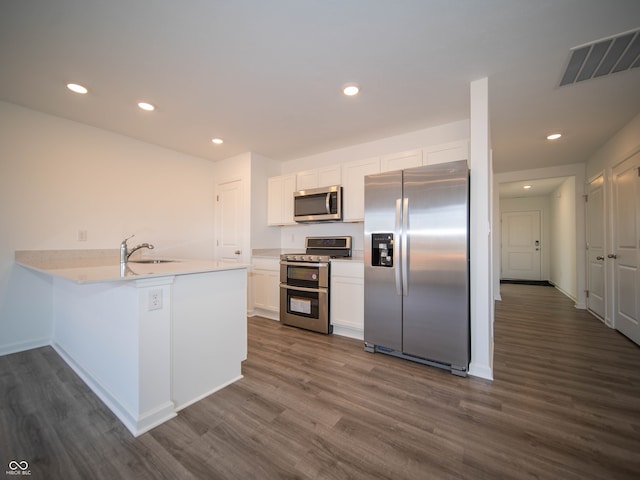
[126, 253]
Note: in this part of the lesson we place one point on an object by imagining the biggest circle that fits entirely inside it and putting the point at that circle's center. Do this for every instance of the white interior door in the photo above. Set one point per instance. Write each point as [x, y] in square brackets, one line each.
[626, 247]
[230, 236]
[521, 245]
[596, 248]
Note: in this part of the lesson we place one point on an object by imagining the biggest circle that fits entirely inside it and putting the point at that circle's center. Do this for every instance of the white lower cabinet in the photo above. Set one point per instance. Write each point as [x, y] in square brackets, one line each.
[347, 298]
[265, 285]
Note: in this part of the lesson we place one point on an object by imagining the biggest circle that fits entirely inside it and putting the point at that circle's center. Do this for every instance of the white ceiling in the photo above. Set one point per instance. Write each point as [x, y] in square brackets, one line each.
[265, 75]
[538, 188]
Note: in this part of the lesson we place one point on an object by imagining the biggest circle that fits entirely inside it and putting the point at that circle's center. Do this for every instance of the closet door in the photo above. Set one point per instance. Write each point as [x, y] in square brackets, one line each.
[596, 256]
[626, 248]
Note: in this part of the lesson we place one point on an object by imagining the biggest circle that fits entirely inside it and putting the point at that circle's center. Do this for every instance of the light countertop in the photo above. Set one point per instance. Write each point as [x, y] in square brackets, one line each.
[97, 266]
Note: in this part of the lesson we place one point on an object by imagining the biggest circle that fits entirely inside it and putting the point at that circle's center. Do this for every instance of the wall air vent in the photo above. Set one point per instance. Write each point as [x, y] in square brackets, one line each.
[603, 57]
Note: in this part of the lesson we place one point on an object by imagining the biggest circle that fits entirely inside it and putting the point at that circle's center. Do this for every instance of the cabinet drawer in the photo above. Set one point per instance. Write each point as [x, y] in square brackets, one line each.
[351, 268]
[272, 264]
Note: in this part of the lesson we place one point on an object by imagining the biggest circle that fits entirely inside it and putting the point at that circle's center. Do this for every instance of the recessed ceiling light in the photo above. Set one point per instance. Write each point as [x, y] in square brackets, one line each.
[554, 136]
[217, 141]
[351, 89]
[146, 106]
[74, 87]
[527, 187]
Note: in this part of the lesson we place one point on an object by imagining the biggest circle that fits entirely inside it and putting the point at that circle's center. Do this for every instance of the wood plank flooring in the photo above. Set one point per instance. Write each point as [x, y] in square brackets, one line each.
[565, 404]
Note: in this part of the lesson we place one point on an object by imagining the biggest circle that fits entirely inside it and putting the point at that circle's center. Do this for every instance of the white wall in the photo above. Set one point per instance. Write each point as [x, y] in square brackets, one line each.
[563, 238]
[620, 147]
[253, 170]
[59, 176]
[525, 204]
[262, 235]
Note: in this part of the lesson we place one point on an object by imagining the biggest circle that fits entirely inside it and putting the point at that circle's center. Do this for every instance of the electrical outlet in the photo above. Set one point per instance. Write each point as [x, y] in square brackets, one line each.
[155, 299]
[82, 235]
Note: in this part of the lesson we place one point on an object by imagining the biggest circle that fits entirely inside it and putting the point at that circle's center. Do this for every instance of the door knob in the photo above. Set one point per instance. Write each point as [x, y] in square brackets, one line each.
[599, 257]
[612, 255]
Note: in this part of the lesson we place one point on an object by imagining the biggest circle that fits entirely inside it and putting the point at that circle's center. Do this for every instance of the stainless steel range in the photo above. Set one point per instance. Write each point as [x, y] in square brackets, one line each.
[305, 283]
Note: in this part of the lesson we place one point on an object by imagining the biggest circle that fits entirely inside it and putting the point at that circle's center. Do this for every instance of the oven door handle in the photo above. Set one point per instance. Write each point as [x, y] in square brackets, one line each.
[303, 264]
[304, 289]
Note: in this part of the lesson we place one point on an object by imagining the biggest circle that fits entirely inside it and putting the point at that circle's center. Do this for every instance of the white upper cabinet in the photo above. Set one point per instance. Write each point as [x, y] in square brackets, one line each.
[280, 200]
[401, 160]
[446, 152]
[353, 174]
[319, 177]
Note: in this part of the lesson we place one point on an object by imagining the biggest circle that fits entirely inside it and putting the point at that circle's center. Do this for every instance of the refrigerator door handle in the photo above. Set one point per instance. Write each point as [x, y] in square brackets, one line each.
[396, 249]
[404, 252]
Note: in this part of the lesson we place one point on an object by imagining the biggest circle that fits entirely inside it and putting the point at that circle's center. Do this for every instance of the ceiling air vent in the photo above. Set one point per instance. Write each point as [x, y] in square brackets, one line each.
[603, 57]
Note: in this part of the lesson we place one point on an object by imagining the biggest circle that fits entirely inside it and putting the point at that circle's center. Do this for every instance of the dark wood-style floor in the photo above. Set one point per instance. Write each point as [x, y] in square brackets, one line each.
[565, 404]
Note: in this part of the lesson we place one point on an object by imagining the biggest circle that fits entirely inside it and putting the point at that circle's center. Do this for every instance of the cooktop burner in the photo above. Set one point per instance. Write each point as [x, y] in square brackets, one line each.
[321, 249]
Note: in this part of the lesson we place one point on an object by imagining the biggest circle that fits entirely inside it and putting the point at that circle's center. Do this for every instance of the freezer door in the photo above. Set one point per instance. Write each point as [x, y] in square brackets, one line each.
[382, 301]
[436, 305]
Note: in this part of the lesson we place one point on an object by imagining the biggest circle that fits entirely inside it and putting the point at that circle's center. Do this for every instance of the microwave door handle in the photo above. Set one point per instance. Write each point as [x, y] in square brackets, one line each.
[327, 203]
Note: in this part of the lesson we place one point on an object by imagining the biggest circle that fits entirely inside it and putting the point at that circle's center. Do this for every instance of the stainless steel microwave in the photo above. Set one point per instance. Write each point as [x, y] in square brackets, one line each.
[322, 204]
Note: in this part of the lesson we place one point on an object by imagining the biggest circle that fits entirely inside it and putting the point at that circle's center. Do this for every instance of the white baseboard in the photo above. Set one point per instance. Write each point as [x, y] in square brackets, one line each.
[136, 424]
[347, 331]
[259, 312]
[23, 346]
[482, 371]
[204, 395]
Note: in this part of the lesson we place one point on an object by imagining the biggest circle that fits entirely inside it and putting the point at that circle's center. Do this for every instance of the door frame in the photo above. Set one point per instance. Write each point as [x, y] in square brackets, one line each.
[577, 170]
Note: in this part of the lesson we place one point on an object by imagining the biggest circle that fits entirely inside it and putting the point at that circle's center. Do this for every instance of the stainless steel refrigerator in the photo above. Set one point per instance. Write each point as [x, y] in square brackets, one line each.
[416, 293]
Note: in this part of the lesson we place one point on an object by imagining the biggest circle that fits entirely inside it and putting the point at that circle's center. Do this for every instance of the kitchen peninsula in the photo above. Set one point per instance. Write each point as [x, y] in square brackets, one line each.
[148, 338]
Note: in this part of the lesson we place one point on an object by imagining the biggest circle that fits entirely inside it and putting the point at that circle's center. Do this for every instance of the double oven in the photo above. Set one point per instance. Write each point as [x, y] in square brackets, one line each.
[305, 280]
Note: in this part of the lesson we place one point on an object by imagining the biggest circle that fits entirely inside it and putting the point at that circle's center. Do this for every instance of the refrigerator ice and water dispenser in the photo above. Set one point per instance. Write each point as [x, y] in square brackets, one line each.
[382, 250]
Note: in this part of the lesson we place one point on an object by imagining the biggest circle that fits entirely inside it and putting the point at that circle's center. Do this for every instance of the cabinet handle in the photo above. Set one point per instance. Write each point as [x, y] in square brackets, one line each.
[612, 255]
[237, 252]
[599, 257]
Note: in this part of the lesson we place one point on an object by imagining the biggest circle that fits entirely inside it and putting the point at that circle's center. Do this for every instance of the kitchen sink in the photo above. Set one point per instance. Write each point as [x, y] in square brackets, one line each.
[152, 260]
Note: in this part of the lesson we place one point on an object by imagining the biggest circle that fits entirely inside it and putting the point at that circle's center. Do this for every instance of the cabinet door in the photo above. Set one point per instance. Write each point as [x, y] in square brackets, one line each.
[320, 177]
[288, 189]
[347, 297]
[280, 200]
[328, 176]
[353, 174]
[447, 152]
[401, 160]
[307, 180]
[266, 290]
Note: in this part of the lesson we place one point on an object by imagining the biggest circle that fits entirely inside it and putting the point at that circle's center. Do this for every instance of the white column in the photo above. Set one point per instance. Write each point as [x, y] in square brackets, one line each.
[480, 238]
